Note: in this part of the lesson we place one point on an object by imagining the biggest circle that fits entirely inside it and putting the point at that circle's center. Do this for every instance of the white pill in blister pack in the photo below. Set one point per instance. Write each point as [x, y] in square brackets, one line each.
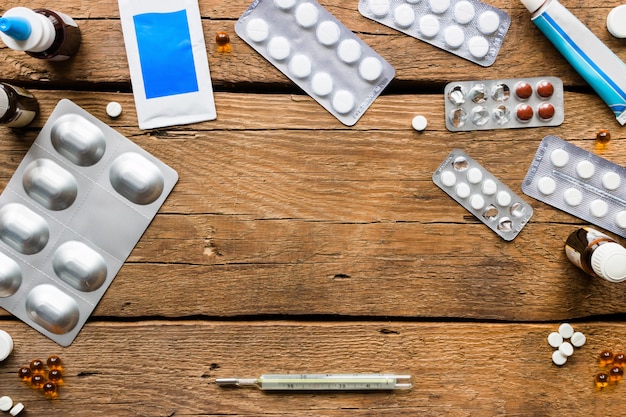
[469, 29]
[482, 194]
[69, 217]
[318, 53]
[578, 182]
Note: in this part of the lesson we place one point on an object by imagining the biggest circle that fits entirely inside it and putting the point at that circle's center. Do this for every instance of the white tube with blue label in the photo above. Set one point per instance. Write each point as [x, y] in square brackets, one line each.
[593, 60]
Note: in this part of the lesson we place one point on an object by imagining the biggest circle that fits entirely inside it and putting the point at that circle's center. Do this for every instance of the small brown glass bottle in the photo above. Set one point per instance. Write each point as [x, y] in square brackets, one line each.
[18, 107]
[597, 254]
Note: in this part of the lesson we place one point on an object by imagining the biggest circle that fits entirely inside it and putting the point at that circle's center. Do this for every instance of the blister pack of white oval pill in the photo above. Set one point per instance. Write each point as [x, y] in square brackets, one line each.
[69, 217]
[504, 104]
[578, 182]
[469, 29]
[318, 53]
[482, 194]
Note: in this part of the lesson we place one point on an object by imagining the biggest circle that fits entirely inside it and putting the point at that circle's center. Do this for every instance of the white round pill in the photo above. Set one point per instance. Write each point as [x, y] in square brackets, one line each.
[114, 109]
[300, 66]
[477, 202]
[478, 46]
[17, 408]
[306, 15]
[611, 180]
[585, 169]
[328, 33]
[620, 219]
[419, 123]
[463, 190]
[566, 349]
[278, 48]
[555, 339]
[474, 175]
[488, 22]
[615, 21]
[566, 330]
[503, 198]
[559, 158]
[578, 339]
[322, 84]
[546, 185]
[439, 6]
[573, 197]
[558, 358]
[404, 15]
[448, 178]
[6, 345]
[370, 68]
[464, 12]
[349, 51]
[598, 208]
[379, 8]
[284, 4]
[489, 187]
[343, 101]
[5, 403]
[412, 1]
[429, 25]
[454, 36]
[257, 30]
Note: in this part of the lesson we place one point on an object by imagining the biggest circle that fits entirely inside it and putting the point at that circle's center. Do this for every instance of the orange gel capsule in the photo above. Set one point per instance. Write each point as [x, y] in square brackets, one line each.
[54, 362]
[25, 373]
[601, 380]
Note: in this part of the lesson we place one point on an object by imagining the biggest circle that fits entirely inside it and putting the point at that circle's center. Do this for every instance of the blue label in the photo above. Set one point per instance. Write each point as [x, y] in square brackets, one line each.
[165, 54]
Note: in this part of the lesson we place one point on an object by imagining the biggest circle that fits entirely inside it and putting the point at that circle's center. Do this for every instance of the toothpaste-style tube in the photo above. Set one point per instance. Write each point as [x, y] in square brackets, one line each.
[593, 60]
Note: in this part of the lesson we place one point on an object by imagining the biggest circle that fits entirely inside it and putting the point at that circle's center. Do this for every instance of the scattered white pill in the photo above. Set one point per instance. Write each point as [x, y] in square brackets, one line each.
[474, 175]
[284, 4]
[578, 339]
[306, 15]
[300, 66]
[566, 349]
[489, 187]
[419, 123]
[6, 403]
[343, 101]
[379, 8]
[454, 36]
[114, 109]
[257, 30]
[555, 340]
[448, 178]
[439, 6]
[488, 22]
[585, 169]
[370, 68]
[349, 51]
[463, 190]
[477, 202]
[503, 198]
[328, 33]
[573, 197]
[464, 12]
[620, 219]
[546, 185]
[478, 46]
[615, 21]
[6, 345]
[558, 358]
[17, 409]
[566, 330]
[322, 84]
[278, 48]
[611, 180]
[404, 15]
[598, 208]
[429, 25]
[559, 158]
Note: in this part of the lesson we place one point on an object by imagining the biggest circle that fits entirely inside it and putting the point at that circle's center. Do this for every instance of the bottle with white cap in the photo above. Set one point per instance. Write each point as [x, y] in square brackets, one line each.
[18, 107]
[597, 254]
[41, 33]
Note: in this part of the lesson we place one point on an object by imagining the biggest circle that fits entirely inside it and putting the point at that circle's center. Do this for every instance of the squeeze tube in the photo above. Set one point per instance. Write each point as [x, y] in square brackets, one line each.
[593, 60]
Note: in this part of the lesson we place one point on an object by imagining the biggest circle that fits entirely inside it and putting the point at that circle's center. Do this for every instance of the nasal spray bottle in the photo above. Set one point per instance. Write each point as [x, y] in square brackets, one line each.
[41, 33]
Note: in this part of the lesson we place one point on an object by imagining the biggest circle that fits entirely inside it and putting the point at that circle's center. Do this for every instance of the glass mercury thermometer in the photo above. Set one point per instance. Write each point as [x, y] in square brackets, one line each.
[321, 382]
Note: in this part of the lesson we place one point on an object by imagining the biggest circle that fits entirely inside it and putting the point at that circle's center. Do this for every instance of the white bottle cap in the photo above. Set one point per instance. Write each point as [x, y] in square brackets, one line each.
[42, 31]
[533, 5]
[616, 21]
[6, 345]
[609, 262]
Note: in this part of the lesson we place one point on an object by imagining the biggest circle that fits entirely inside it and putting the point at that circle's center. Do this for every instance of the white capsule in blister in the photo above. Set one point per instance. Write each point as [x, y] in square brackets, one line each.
[328, 33]
[379, 8]
[611, 181]
[78, 140]
[136, 178]
[404, 16]
[439, 6]
[23, 229]
[349, 51]
[49, 184]
[322, 84]
[257, 30]
[300, 66]
[343, 101]
[454, 36]
[464, 12]
[429, 26]
[278, 48]
[573, 196]
[370, 69]
[79, 266]
[10, 276]
[546, 185]
[488, 22]
[284, 4]
[52, 308]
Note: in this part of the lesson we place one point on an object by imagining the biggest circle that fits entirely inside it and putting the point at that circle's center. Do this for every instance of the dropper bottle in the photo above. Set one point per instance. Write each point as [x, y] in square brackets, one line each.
[597, 254]
[41, 33]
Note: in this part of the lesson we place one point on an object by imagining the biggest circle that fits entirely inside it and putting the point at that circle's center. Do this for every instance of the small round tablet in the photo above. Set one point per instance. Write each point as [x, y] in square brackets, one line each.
[573, 197]
[503, 198]
[620, 219]
[566, 330]
[615, 21]
[439, 6]
[306, 15]
[559, 158]
[257, 30]
[429, 25]
[478, 46]
[545, 89]
[611, 180]
[463, 190]
[278, 48]
[448, 178]
[566, 349]
[370, 68]
[585, 169]
[419, 123]
[598, 208]
[379, 8]
[6, 403]
[546, 185]
[343, 101]
[523, 90]
[6, 345]
[474, 175]
[404, 15]
[546, 111]
[349, 51]
[454, 36]
[555, 339]
[300, 66]
[464, 12]
[489, 187]
[558, 358]
[284, 4]
[477, 202]
[17, 409]
[114, 109]
[578, 339]
[328, 33]
[488, 22]
[322, 84]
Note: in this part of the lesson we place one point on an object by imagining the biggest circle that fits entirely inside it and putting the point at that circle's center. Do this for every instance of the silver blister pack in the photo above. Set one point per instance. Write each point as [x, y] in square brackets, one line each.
[318, 53]
[578, 182]
[504, 104]
[69, 217]
[482, 194]
[469, 29]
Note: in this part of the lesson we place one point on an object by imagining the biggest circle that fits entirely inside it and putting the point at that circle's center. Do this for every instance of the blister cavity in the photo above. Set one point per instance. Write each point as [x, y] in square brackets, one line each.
[23, 229]
[78, 140]
[10, 276]
[136, 178]
[52, 309]
[79, 266]
[50, 185]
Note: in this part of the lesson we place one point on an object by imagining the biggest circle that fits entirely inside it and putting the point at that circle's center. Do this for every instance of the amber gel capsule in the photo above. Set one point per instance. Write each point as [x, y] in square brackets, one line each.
[597, 254]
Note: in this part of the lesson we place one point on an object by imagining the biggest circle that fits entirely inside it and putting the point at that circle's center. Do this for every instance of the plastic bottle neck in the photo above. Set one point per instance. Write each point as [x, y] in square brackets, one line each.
[26, 30]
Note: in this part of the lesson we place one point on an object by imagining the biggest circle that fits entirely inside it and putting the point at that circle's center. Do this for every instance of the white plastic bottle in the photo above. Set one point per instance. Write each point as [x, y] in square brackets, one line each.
[597, 254]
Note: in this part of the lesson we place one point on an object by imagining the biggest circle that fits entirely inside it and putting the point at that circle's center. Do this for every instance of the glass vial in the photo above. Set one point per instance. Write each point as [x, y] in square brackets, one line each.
[597, 254]
[18, 107]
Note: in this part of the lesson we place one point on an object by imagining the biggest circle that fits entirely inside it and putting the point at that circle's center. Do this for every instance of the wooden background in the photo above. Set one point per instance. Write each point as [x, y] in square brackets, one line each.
[293, 243]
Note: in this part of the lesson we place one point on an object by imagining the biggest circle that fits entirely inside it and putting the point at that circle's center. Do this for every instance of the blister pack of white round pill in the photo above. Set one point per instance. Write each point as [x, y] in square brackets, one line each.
[504, 104]
[578, 182]
[469, 29]
[318, 53]
[69, 217]
[482, 194]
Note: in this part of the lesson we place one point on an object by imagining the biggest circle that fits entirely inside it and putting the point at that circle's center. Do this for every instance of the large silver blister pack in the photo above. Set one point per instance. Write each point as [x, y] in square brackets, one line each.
[71, 214]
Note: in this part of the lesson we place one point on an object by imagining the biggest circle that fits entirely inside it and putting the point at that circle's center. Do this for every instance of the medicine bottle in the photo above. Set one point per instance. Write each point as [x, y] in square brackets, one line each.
[41, 33]
[597, 254]
[18, 107]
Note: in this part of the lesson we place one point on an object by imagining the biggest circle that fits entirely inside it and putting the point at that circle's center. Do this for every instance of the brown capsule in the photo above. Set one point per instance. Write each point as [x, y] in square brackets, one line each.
[619, 359]
[615, 374]
[601, 380]
[37, 366]
[603, 136]
[222, 38]
[546, 111]
[606, 357]
[55, 376]
[545, 89]
[523, 90]
[37, 381]
[54, 362]
[25, 373]
[50, 389]
[524, 112]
